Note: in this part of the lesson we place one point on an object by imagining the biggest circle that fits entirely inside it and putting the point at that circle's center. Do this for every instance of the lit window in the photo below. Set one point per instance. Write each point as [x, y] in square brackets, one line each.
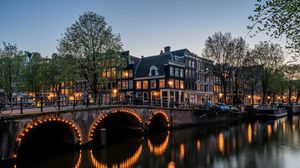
[161, 83]
[153, 84]
[138, 85]
[145, 84]
[171, 83]
[181, 84]
[125, 84]
[176, 84]
[125, 74]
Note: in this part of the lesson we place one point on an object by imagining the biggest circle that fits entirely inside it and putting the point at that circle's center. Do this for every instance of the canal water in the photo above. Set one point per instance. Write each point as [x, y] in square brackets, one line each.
[260, 144]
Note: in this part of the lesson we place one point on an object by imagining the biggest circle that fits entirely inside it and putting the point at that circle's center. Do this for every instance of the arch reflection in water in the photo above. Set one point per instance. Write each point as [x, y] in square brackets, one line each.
[123, 153]
[158, 148]
[129, 162]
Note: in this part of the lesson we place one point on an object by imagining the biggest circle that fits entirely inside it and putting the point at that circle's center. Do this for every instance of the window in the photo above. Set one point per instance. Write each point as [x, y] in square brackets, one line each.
[125, 74]
[177, 72]
[138, 85]
[130, 84]
[181, 73]
[125, 84]
[171, 83]
[177, 84]
[153, 72]
[119, 85]
[161, 83]
[171, 71]
[181, 84]
[108, 73]
[130, 73]
[145, 84]
[145, 96]
[113, 72]
[153, 84]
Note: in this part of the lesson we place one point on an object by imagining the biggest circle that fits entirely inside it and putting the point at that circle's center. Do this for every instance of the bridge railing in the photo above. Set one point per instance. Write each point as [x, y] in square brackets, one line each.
[43, 104]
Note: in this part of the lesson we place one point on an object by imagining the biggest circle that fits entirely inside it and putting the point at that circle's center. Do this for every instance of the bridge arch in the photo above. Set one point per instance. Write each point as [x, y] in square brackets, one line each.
[99, 122]
[32, 126]
[158, 120]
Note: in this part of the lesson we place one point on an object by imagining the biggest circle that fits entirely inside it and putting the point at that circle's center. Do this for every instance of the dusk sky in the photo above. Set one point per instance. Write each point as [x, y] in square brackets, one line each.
[145, 26]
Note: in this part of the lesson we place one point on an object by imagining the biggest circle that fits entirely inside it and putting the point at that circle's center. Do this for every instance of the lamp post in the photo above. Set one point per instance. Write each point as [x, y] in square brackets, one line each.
[21, 104]
[220, 97]
[115, 92]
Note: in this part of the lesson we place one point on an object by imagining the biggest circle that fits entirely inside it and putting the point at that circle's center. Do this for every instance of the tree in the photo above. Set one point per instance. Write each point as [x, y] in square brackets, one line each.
[11, 61]
[277, 83]
[93, 47]
[34, 74]
[250, 74]
[278, 18]
[291, 75]
[269, 56]
[227, 53]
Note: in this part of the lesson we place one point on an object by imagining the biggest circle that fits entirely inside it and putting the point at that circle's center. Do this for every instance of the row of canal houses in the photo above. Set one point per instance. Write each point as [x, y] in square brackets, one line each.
[171, 78]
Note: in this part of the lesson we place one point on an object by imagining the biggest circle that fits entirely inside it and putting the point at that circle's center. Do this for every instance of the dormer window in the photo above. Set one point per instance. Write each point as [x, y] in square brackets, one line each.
[153, 71]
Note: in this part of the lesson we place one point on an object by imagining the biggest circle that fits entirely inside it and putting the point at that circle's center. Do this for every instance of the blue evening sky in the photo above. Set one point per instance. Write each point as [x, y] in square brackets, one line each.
[145, 26]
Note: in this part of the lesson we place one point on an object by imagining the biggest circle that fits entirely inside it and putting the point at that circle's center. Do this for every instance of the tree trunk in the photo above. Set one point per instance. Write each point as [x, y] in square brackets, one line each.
[273, 95]
[298, 95]
[290, 93]
[264, 96]
[252, 96]
[224, 87]
[236, 91]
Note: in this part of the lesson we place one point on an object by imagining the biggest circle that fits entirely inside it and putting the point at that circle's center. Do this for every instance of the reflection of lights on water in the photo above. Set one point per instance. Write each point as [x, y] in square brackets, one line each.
[160, 149]
[249, 134]
[198, 145]
[77, 165]
[126, 163]
[171, 164]
[221, 142]
[294, 126]
[283, 127]
[269, 130]
[181, 151]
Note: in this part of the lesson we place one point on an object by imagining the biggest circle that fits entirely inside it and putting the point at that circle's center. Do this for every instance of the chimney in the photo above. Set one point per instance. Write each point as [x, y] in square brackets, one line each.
[167, 49]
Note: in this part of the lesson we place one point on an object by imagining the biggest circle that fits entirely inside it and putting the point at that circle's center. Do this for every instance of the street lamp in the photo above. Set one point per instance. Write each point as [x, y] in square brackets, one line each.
[220, 96]
[19, 98]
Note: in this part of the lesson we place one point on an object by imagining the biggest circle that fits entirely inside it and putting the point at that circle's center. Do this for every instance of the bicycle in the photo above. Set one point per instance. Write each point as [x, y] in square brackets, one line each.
[6, 108]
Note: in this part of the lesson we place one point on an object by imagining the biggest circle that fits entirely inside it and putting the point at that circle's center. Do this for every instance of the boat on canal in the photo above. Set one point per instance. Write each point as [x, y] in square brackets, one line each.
[272, 111]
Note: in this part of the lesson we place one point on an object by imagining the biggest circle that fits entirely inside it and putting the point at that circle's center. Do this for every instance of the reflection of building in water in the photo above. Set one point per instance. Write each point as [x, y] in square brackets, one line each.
[221, 143]
[181, 151]
[171, 164]
[159, 149]
[249, 133]
[269, 130]
[126, 163]
[198, 145]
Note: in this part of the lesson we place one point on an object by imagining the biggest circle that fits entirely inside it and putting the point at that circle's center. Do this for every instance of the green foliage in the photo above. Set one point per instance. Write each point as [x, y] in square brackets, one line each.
[11, 63]
[278, 18]
[93, 47]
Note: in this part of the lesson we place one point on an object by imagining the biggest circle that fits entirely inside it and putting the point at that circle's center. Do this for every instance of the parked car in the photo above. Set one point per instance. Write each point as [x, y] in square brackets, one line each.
[223, 107]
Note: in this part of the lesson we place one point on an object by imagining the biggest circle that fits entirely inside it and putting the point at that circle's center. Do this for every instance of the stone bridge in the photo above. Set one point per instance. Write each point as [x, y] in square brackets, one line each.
[84, 125]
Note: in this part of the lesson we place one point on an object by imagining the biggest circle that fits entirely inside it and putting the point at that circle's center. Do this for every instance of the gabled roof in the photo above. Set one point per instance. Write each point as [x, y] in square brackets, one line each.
[145, 63]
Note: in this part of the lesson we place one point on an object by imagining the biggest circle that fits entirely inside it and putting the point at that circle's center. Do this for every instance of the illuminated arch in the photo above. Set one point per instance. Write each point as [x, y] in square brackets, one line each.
[35, 123]
[156, 113]
[129, 162]
[113, 111]
[159, 149]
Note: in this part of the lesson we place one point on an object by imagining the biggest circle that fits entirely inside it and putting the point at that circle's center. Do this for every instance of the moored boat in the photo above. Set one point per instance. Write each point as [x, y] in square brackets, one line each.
[271, 112]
